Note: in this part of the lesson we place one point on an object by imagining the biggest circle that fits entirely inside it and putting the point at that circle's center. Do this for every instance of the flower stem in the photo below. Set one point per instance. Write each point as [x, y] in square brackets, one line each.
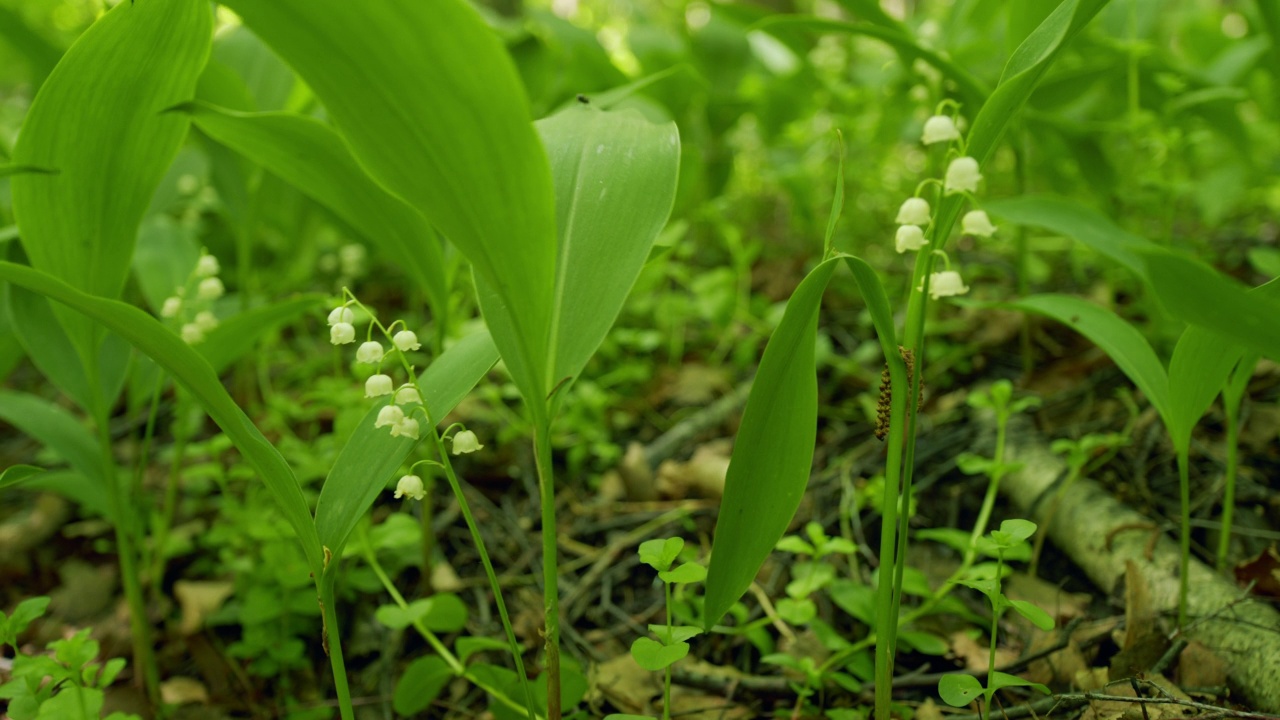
[550, 577]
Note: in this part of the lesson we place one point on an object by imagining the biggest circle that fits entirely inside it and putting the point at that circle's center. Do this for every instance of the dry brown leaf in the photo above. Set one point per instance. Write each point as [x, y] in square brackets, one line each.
[1139, 615]
[444, 578]
[636, 475]
[1263, 571]
[182, 691]
[928, 710]
[1059, 603]
[1198, 666]
[698, 384]
[629, 687]
[697, 705]
[198, 599]
[701, 477]
[976, 655]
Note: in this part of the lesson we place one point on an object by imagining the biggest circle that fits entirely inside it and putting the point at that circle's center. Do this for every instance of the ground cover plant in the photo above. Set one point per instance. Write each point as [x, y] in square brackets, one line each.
[499, 359]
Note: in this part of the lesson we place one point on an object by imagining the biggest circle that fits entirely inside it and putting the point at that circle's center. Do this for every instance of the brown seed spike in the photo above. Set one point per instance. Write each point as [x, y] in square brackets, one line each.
[885, 403]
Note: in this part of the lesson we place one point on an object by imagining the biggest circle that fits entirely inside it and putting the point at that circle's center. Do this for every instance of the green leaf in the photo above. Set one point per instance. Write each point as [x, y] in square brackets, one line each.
[1018, 529]
[1000, 680]
[7, 170]
[372, 455]
[795, 544]
[923, 642]
[1030, 611]
[266, 78]
[239, 334]
[1198, 294]
[97, 121]
[877, 301]
[1201, 362]
[190, 370]
[467, 646]
[420, 684]
[678, 633]
[773, 453]
[659, 554]
[1070, 219]
[40, 54]
[1120, 340]
[690, 572]
[443, 612]
[57, 429]
[615, 183]
[959, 690]
[433, 109]
[17, 622]
[653, 655]
[313, 157]
[15, 474]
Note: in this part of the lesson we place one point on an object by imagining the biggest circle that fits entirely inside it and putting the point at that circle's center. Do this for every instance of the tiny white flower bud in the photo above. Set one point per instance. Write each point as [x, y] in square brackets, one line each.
[172, 306]
[962, 175]
[408, 395]
[465, 442]
[207, 266]
[210, 289]
[939, 128]
[370, 352]
[342, 333]
[976, 222]
[406, 340]
[411, 486]
[915, 211]
[206, 321]
[407, 427]
[192, 334]
[909, 237]
[946, 284]
[341, 315]
[389, 415]
[377, 386]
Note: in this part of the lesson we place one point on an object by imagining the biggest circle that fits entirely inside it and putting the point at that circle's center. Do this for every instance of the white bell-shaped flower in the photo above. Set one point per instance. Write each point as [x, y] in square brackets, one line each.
[172, 306]
[369, 352]
[410, 486]
[207, 266]
[946, 284]
[210, 288]
[192, 334]
[465, 442]
[406, 340]
[909, 237]
[341, 315]
[939, 128]
[206, 321]
[378, 385]
[962, 176]
[408, 395]
[342, 333]
[408, 427]
[915, 211]
[976, 222]
[389, 416]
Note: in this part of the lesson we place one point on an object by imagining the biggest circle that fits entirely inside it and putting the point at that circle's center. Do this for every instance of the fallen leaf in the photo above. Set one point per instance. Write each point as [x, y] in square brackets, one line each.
[1198, 666]
[701, 477]
[198, 599]
[626, 685]
[182, 691]
[1263, 571]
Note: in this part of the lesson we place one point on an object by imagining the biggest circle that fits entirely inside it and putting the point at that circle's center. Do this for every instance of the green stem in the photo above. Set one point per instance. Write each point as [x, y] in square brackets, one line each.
[119, 500]
[995, 630]
[333, 639]
[666, 684]
[886, 602]
[1229, 489]
[993, 486]
[550, 577]
[1184, 545]
[165, 520]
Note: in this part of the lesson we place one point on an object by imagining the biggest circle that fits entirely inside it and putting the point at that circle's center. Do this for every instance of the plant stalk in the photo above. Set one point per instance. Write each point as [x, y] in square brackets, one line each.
[550, 577]
[1184, 544]
[333, 639]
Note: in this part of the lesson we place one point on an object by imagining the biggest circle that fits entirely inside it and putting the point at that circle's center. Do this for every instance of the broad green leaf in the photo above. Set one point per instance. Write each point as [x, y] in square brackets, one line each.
[675, 633]
[690, 572]
[40, 54]
[1000, 680]
[164, 258]
[90, 493]
[265, 76]
[238, 334]
[8, 170]
[773, 452]
[1071, 219]
[420, 684]
[1018, 528]
[659, 554]
[1121, 341]
[15, 474]
[97, 122]
[877, 301]
[615, 182]
[1032, 612]
[924, 642]
[439, 613]
[959, 690]
[312, 157]
[468, 645]
[372, 455]
[16, 623]
[55, 428]
[1201, 362]
[189, 369]
[433, 109]
[653, 655]
[1198, 294]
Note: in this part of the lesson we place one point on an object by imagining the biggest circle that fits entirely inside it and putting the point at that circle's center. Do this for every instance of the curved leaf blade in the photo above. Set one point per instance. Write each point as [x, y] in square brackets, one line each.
[773, 453]
[433, 109]
[1198, 294]
[15, 474]
[1120, 340]
[1071, 219]
[615, 183]
[97, 121]
[313, 157]
[193, 372]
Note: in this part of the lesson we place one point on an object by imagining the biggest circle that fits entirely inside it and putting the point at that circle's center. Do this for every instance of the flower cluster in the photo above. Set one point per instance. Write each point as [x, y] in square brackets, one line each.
[962, 176]
[194, 313]
[342, 331]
